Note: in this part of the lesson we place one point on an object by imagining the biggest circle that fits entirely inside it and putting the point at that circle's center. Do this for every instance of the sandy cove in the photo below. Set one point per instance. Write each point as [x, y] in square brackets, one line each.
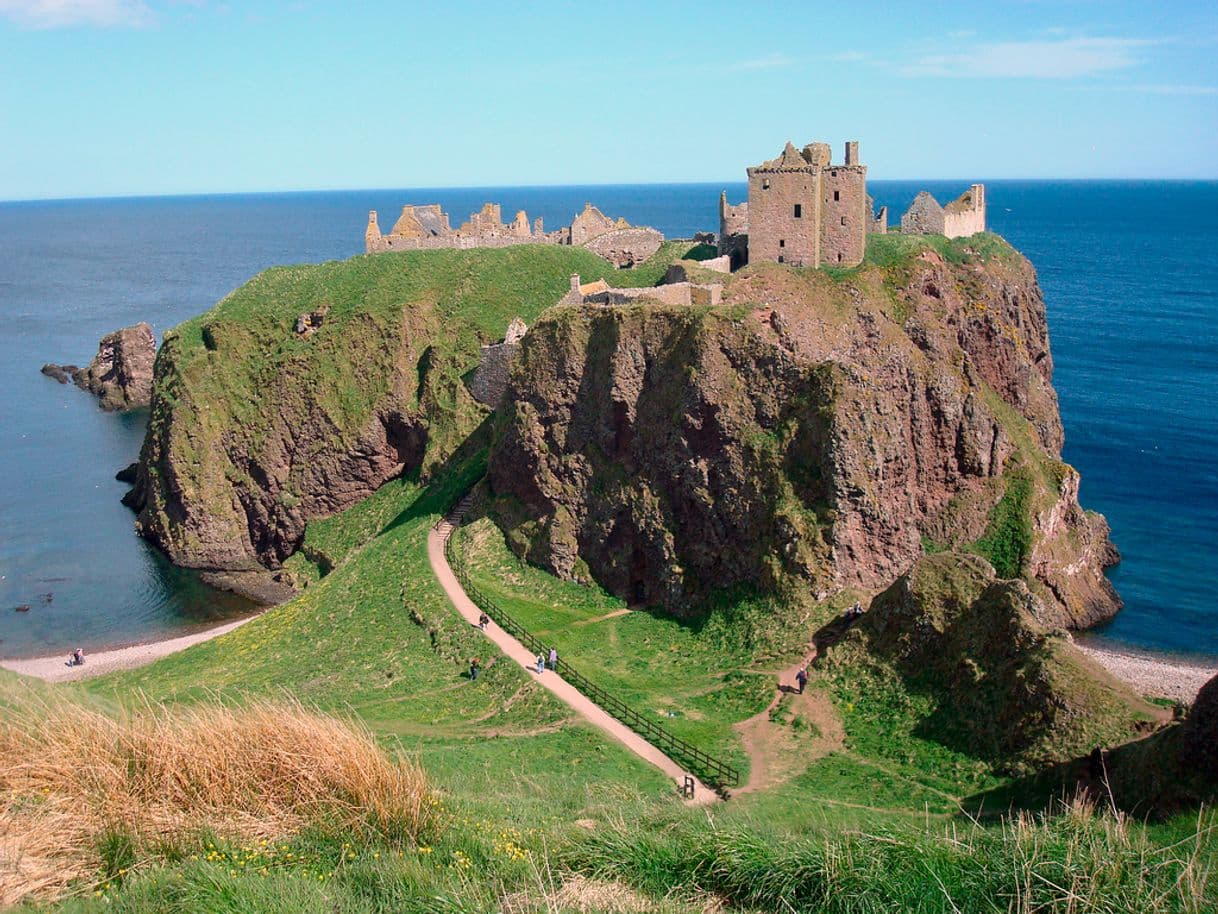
[55, 669]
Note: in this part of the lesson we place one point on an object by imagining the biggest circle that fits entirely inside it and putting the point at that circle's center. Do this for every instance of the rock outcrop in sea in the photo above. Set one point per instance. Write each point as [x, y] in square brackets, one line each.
[120, 374]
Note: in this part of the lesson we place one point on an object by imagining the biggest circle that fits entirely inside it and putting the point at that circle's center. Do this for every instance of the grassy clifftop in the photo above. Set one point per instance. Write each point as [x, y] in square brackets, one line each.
[256, 428]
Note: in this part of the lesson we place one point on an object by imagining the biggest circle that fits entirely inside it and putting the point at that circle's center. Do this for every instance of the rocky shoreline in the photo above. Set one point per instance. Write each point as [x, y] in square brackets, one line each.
[1153, 674]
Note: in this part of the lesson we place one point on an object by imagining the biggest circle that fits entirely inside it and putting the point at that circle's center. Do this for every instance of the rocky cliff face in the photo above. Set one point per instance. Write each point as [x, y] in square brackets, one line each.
[120, 375]
[821, 430]
[233, 493]
[309, 387]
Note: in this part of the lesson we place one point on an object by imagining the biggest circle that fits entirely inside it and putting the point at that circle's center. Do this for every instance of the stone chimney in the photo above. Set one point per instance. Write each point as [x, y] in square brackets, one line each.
[852, 152]
[373, 232]
[574, 296]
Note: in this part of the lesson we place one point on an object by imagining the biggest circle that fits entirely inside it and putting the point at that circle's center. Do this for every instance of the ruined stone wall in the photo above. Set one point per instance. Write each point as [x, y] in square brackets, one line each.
[626, 247]
[734, 231]
[845, 215]
[677, 293]
[966, 215]
[879, 224]
[778, 231]
[590, 223]
[961, 225]
[427, 228]
[924, 216]
[490, 378]
[733, 220]
[460, 242]
[877, 218]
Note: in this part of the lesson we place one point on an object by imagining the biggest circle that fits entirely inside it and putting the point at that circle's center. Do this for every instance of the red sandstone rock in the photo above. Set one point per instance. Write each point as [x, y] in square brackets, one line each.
[121, 372]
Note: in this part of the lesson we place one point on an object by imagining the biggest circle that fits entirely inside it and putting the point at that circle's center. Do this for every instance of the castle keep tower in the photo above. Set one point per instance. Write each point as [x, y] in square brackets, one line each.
[805, 211]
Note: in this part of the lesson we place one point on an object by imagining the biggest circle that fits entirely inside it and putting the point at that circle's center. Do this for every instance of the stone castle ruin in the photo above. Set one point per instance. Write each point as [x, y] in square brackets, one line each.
[962, 217]
[802, 210]
[427, 228]
[806, 211]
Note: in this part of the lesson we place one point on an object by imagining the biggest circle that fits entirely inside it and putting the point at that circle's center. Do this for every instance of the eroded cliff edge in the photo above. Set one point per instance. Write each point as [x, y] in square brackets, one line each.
[822, 429]
[307, 388]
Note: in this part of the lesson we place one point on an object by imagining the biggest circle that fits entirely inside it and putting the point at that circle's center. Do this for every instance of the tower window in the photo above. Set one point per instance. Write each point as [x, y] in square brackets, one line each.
[843, 220]
[839, 256]
[782, 242]
[765, 184]
[799, 211]
[837, 195]
[780, 258]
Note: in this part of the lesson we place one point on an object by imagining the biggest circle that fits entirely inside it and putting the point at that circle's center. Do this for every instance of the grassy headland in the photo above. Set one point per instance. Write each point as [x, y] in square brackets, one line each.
[381, 778]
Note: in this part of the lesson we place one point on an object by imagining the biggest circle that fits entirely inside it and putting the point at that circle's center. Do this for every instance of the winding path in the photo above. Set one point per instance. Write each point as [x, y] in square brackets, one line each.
[567, 693]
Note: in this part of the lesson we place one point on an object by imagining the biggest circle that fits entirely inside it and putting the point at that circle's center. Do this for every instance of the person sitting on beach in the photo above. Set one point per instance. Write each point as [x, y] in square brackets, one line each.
[76, 658]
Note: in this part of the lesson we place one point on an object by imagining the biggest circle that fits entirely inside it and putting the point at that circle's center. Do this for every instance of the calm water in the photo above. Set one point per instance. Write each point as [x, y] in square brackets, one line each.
[1129, 273]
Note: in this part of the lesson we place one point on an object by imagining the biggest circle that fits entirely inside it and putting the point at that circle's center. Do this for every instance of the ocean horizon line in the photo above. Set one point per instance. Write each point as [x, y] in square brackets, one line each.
[465, 188]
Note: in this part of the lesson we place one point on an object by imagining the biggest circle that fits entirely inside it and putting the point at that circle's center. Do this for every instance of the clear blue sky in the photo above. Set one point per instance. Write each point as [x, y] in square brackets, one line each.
[111, 97]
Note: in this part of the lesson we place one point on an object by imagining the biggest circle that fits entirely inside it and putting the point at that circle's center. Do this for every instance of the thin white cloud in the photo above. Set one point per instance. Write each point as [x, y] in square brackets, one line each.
[775, 61]
[56, 14]
[1062, 59]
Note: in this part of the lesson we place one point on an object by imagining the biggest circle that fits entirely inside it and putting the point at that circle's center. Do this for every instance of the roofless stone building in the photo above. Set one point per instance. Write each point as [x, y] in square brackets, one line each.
[802, 210]
[428, 227]
[806, 211]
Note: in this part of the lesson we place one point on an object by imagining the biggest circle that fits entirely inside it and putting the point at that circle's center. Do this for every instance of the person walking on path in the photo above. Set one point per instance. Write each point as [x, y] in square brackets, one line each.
[541, 664]
[554, 658]
[801, 678]
[483, 621]
[473, 668]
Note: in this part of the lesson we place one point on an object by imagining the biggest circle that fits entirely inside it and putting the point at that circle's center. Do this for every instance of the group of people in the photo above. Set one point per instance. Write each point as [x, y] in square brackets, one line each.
[475, 664]
[76, 658]
[541, 661]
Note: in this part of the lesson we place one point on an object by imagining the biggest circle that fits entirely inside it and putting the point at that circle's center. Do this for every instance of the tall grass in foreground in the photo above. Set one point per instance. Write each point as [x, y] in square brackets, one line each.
[1078, 861]
[76, 783]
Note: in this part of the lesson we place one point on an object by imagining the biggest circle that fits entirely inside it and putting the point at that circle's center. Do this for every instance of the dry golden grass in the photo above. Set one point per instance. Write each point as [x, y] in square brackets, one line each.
[71, 774]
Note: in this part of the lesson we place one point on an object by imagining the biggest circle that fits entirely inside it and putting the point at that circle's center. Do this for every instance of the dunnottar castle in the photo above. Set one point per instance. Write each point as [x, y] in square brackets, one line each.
[802, 209]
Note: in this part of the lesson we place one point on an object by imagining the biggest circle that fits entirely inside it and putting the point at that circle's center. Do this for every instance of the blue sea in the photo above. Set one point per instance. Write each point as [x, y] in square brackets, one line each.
[1129, 271]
